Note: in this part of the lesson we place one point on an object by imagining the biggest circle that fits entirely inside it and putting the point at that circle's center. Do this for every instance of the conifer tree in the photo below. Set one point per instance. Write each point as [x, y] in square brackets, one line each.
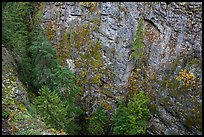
[98, 122]
[55, 112]
[15, 34]
[138, 44]
[43, 55]
[120, 119]
[133, 119]
[37, 60]
[43, 60]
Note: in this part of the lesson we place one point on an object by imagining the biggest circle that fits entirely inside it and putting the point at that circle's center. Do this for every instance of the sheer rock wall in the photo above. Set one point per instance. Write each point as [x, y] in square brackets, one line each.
[172, 29]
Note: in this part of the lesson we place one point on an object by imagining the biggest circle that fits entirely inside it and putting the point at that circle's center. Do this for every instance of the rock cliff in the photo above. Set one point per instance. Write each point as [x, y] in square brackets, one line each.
[98, 38]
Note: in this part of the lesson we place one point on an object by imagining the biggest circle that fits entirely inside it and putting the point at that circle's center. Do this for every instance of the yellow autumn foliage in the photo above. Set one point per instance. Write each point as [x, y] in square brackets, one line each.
[186, 77]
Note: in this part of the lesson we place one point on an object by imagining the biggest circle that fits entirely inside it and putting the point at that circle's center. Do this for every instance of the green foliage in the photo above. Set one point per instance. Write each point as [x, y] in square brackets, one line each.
[15, 23]
[15, 33]
[139, 111]
[55, 112]
[65, 85]
[40, 67]
[133, 119]
[14, 108]
[43, 55]
[120, 119]
[43, 60]
[4, 114]
[64, 78]
[138, 42]
[98, 122]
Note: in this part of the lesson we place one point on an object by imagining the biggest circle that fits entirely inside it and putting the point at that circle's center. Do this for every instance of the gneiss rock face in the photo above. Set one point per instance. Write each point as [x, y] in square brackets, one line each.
[172, 42]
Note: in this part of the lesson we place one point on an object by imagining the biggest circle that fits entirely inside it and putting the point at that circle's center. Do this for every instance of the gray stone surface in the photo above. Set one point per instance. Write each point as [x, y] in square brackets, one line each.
[176, 29]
